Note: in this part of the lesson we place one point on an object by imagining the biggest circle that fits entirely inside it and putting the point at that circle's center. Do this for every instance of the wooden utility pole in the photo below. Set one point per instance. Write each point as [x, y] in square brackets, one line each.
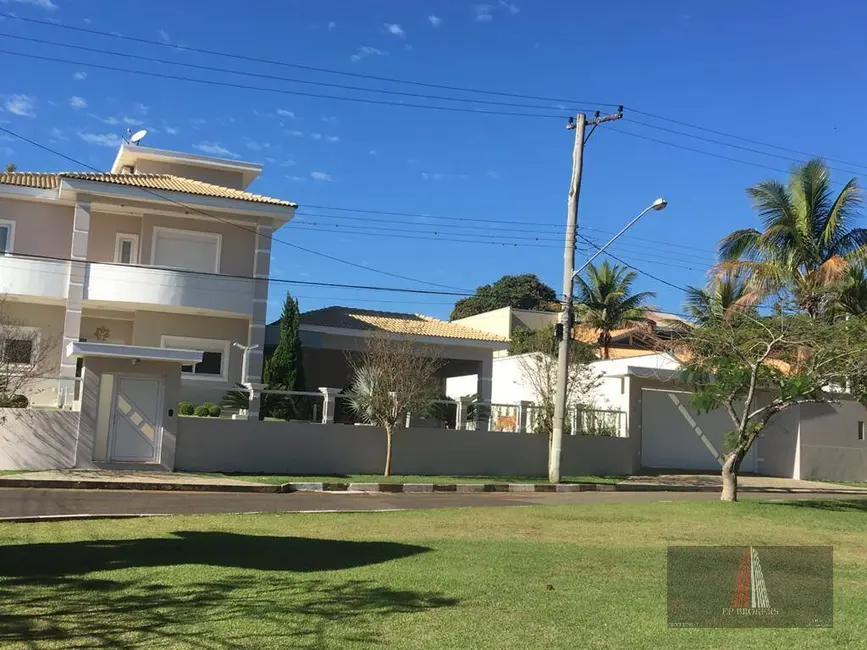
[566, 316]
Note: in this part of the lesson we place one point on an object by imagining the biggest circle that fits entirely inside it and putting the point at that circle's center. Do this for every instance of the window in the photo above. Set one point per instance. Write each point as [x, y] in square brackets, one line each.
[214, 365]
[7, 236]
[860, 431]
[18, 351]
[185, 249]
[126, 248]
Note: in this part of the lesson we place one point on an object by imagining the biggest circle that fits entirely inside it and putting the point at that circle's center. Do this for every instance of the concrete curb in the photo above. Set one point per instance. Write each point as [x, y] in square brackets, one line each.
[71, 484]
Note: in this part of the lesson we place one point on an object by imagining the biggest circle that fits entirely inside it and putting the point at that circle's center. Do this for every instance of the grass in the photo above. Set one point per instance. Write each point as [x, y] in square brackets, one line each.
[9, 472]
[279, 479]
[412, 580]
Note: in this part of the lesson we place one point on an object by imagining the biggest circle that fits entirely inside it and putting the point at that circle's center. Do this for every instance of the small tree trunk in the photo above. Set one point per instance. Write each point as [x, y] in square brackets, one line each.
[730, 475]
[388, 431]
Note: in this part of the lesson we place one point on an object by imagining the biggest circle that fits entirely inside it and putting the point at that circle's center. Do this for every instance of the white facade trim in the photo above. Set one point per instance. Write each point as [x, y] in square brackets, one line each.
[15, 191]
[189, 234]
[205, 345]
[118, 241]
[10, 243]
[113, 350]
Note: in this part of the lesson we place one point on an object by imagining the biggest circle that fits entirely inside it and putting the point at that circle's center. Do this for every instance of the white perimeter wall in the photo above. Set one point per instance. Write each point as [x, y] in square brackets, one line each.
[33, 439]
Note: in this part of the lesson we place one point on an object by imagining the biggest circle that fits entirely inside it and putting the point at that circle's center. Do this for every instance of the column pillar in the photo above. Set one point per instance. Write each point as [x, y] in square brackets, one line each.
[485, 386]
[74, 301]
[261, 268]
[463, 410]
[523, 413]
[255, 391]
[329, 404]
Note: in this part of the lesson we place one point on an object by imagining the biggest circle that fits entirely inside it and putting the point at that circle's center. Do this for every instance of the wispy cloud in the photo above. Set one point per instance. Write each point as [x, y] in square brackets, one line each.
[101, 139]
[141, 108]
[295, 134]
[171, 130]
[252, 145]
[77, 102]
[483, 13]
[331, 26]
[215, 149]
[297, 179]
[23, 105]
[282, 112]
[332, 138]
[321, 176]
[132, 121]
[440, 176]
[511, 7]
[365, 51]
[436, 21]
[80, 76]
[57, 134]
[395, 29]
[316, 136]
[329, 119]
[42, 4]
[164, 36]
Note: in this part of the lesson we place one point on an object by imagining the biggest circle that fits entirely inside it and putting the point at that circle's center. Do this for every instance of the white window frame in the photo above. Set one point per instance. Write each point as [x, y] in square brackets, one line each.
[10, 244]
[206, 345]
[190, 234]
[35, 334]
[118, 241]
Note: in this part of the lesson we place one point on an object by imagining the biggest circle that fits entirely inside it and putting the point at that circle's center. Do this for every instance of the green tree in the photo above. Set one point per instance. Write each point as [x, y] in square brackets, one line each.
[518, 291]
[284, 370]
[849, 294]
[721, 295]
[604, 302]
[544, 340]
[807, 243]
[11, 168]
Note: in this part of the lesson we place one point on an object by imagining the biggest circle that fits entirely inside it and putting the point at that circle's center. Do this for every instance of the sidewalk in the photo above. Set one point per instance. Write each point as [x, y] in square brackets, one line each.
[147, 480]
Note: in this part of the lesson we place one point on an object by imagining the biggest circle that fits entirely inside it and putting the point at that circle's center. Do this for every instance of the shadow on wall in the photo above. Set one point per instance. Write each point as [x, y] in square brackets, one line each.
[36, 439]
[280, 605]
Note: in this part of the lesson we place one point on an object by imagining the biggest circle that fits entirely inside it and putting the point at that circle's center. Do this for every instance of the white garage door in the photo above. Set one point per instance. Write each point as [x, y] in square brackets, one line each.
[183, 249]
[674, 436]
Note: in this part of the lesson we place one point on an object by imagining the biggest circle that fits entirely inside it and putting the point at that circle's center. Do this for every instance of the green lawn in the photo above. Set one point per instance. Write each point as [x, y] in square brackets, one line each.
[9, 472]
[435, 579]
[279, 479]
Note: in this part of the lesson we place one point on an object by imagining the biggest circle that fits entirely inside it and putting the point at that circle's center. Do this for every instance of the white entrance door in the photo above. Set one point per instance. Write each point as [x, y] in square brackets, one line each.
[136, 429]
[674, 436]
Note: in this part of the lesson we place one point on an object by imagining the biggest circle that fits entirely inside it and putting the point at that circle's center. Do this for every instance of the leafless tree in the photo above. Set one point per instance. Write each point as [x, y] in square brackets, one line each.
[539, 371]
[24, 356]
[392, 377]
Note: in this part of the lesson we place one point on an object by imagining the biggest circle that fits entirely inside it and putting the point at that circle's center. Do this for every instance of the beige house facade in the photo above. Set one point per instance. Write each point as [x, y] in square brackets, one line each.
[166, 251]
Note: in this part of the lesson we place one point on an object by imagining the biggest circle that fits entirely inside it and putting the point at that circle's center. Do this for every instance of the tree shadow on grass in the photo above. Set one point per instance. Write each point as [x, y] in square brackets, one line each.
[832, 505]
[263, 553]
[263, 594]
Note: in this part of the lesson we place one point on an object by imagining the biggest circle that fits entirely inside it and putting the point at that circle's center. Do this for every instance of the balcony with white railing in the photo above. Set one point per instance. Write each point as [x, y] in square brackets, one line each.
[33, 277]
[147, 286]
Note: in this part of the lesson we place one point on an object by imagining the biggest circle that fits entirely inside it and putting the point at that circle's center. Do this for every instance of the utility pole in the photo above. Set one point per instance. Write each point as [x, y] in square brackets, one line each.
[564, 330]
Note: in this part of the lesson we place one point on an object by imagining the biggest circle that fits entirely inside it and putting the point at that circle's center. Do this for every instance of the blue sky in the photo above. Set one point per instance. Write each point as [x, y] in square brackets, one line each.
[787, 78]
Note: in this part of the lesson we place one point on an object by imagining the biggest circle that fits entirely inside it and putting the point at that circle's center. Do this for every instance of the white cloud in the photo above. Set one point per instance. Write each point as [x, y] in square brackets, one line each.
[320, 176]
[215, 149]
[483, 13]
[365, 51]
[80, 76]
[329, 119]
[42, 4]
[164, 36]
[440, 176]
[316, 136]
[511, 7]
[23, 105]
[87, 21]
[297, 179]
[132, 121]
[295, 134]
[77, 102]
[141, 108]
[57, 134]
[282, 112]
[252, 145]
[101, 139]
[332, 138]
[331, 26]
[395, 30]
[436, 21]
[171, 130]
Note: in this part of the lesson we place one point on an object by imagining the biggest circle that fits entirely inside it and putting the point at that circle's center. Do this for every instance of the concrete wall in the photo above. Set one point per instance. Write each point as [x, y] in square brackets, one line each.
[40, 228]
[498, 321]
[104, 228]
[206, 444]
[222, 177]
[49, 320]
[118, 330]
[829, 445]
[37, 439]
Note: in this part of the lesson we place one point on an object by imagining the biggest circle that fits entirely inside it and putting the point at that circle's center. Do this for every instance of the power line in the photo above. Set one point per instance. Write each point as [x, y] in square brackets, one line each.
[282, 91]
[299, 66]
[634, 268]
[150, 59]
[202, 212]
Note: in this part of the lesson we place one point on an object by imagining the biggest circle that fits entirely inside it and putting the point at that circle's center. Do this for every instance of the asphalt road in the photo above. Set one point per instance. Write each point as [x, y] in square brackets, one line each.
[37, 502]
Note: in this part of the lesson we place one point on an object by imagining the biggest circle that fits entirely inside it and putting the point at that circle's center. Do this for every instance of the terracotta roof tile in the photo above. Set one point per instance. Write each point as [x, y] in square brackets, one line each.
[164, 182]
[394, 323]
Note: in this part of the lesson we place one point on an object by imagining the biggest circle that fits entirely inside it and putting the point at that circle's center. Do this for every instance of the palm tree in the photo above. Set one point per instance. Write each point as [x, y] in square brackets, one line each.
[807, 243]
[849, 296]
[604, 302]
[719, 298]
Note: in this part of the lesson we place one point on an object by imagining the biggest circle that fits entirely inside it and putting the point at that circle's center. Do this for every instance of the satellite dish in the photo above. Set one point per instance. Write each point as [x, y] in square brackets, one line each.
[138, 136]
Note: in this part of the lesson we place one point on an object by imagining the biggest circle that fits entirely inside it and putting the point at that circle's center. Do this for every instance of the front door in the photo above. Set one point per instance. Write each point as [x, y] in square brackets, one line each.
[136, 430]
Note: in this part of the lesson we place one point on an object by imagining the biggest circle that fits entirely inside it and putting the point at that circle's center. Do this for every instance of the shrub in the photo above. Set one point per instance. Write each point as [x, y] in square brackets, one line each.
[14, 402]
[186, 408]
[201, 411]
[215, 411]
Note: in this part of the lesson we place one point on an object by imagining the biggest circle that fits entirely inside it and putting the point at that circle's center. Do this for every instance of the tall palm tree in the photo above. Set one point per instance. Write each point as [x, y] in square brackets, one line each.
[849, 296]
[605, 304]
[723, 295]
[807, 242]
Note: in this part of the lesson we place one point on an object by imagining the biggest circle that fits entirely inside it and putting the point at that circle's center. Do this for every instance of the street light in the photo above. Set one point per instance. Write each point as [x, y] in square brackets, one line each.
[563, 351]
[245, 361]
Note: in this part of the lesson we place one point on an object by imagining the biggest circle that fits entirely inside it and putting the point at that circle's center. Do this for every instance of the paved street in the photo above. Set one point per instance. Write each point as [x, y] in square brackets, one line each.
[32, 502]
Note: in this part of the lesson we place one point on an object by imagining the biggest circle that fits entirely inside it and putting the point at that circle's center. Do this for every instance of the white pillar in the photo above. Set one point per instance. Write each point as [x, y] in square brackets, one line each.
[74, 300]
[485, 385]
[463, 410]
[523, 413]
[255, 391]
[261, 268]
[329, 404]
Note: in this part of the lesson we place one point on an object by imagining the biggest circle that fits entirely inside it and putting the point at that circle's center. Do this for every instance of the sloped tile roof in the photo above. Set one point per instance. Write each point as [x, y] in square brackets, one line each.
[393, 323]
[164, 182]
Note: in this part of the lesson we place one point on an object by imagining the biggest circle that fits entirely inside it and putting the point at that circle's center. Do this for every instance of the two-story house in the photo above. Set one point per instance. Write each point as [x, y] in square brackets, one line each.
[167, 250]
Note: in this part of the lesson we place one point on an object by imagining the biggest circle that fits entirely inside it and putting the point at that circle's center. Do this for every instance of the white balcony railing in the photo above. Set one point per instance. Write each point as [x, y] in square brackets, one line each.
[108, 283]
[22, 276]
